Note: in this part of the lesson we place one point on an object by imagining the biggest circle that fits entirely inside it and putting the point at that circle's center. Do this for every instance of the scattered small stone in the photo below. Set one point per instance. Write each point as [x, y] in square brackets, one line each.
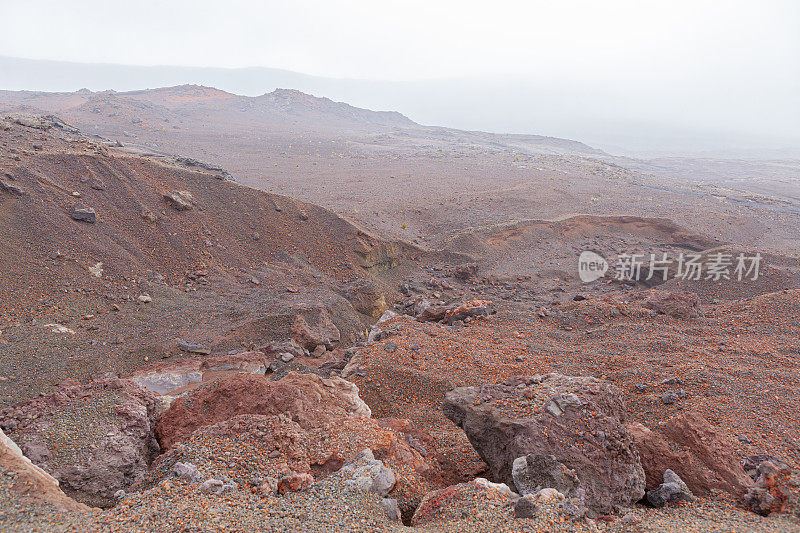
[83, 214]
[672, 491]
[669, 397]
[186, 471]
[631, 519]
[212, 486]
[390, 346]
[191, 347]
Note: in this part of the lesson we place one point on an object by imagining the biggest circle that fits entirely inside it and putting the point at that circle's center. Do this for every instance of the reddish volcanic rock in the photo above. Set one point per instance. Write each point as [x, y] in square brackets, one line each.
[274, 447]
[315, 328]
[675, 304]
[768, 495]
[306, 398]
[295, 482]
[449, 504]
[691, 447]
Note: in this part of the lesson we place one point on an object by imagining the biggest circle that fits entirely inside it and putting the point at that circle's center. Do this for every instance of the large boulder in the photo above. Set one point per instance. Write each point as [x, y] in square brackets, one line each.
[96, 439]
[314, 328]
[579, 421]
[367, 298]
[308, 399]
[699, 453]
[683, 305]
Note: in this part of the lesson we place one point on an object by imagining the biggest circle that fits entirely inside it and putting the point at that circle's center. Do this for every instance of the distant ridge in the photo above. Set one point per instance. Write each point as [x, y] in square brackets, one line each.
[278, 106]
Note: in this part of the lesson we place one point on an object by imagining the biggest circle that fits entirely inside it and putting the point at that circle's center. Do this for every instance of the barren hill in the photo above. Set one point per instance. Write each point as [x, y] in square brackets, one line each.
[119, 250]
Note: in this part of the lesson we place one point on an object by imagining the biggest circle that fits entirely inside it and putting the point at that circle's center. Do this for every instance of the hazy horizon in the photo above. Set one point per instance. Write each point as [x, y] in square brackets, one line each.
[683, 77]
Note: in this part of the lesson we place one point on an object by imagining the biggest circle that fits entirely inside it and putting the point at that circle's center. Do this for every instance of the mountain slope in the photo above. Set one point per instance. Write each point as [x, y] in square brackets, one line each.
[122, 254]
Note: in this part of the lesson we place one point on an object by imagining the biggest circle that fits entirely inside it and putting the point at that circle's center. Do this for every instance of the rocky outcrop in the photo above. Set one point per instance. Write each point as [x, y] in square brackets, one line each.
[307, 399]
[426, 311]
[700, 454]
[367, 298]
[96, 439]
[180, 200]
[40, 122]
[579, 421]
[376, 256]
[683, 305]
[314, 328]
[165, 378]
[31, 482]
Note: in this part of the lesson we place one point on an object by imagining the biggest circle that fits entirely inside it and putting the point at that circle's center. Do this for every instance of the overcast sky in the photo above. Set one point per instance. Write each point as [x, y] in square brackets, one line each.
[719, 58]
[413, 39]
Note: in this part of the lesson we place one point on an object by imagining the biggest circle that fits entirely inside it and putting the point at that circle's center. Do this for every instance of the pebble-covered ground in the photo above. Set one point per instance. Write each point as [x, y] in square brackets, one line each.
[739, 365]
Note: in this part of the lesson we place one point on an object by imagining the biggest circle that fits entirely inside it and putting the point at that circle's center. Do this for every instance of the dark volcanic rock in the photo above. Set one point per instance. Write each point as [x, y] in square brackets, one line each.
[10, 189]
[767, 495]
[673, 490]
[465, 271]
[752, 464]
[83, 214]
[192, 347]
[532, 473]
[579, 421]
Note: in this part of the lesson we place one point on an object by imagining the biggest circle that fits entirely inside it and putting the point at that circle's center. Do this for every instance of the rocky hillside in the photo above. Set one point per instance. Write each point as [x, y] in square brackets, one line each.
[105, 252]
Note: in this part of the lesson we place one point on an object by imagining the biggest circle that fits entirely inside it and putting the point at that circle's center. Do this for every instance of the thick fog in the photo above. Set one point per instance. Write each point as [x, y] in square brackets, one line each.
[632, 76]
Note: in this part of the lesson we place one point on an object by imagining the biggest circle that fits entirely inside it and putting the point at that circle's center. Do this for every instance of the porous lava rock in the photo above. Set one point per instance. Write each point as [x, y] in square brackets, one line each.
[578, 420]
